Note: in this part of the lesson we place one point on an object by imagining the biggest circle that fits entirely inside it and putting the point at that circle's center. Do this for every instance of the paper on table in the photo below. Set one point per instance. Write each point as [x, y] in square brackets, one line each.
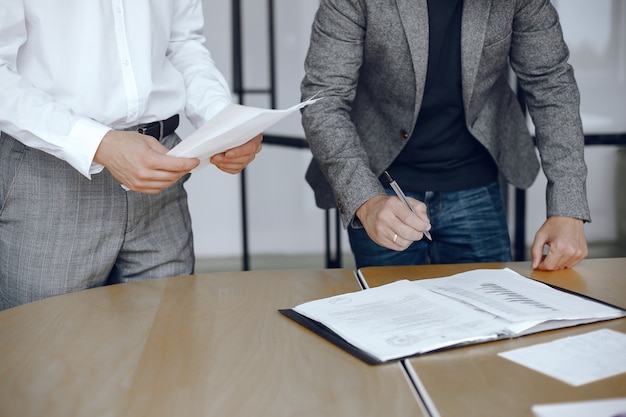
[576, 360]
[523, 302]
[612, 407]
[400, 319]
[231, 127]
[406, 318]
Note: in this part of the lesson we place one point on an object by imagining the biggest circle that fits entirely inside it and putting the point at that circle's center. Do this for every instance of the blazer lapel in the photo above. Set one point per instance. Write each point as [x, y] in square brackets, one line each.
[473, 28]
[414, 18]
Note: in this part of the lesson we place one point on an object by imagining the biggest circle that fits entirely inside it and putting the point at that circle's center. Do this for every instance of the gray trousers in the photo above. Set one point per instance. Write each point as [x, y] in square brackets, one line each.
[61, 232]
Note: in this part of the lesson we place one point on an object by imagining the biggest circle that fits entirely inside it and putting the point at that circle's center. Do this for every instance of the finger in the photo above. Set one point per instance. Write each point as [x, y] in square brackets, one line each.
[564, 253]
[252, 147]
[397, 242]
[568, 257]
[550, 262]
[416, 219]
[151, 181]
[554, 260]
[239, 161]
[232, 167]
[242, 152]
[230, 171]
[419, 208]
[162, 165]
[410, 227]
[536, 252]
[148, 187]
[221, 159]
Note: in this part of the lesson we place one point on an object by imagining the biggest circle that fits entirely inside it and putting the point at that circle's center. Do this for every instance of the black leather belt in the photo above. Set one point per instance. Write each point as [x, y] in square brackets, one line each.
[160, 129]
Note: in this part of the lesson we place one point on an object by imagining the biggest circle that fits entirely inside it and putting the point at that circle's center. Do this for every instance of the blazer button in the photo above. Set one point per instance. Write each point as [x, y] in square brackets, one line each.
[341, 207]
[404, 135]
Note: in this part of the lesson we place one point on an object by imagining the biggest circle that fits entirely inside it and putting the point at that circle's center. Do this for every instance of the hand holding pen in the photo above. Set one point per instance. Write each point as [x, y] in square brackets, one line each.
[389, 224]
[394, 185]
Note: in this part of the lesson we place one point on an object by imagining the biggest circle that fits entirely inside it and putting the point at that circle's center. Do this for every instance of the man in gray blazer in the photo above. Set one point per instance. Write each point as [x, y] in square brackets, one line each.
[420, 88]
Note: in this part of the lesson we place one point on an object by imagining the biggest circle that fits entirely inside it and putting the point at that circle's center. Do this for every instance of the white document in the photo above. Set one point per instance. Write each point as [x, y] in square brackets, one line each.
[527, 305]
[576, 360]
[612, 407]
[231, 127]
[400, 319]
[405, 318]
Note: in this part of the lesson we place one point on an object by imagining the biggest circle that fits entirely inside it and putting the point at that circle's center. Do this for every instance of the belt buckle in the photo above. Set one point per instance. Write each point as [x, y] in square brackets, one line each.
[150, 129]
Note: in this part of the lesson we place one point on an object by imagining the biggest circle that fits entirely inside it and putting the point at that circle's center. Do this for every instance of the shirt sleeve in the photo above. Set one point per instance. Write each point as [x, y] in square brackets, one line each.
[32, 116]
[207, 90]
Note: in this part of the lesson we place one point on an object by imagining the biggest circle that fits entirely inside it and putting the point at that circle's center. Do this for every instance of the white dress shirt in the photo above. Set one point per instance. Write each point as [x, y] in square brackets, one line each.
[70, 71]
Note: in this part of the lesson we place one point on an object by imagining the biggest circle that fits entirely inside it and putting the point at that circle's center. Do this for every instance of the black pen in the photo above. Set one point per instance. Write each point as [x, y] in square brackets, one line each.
[402, 197]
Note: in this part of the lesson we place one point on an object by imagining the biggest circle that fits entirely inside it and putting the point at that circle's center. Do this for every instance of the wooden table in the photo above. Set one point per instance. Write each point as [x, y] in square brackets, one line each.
[201, 345]
[474, 381]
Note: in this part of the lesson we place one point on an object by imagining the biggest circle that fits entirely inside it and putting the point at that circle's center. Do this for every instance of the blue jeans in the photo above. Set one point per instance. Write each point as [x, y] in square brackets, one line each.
[467, 226]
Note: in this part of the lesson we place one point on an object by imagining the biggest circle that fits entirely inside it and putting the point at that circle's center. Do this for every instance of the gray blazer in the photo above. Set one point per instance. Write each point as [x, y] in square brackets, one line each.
[368, 59]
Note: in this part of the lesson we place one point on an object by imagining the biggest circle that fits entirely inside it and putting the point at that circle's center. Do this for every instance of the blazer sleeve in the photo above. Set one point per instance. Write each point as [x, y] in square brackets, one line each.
[539, 58]
[332, 68]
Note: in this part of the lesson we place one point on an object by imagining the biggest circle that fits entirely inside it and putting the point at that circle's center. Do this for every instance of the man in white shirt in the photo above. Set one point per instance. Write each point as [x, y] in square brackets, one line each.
[90, 94]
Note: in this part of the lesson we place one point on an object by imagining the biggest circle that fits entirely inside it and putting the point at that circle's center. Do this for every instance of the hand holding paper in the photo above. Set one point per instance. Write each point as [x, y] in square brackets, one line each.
[234, 160]
[231, 127]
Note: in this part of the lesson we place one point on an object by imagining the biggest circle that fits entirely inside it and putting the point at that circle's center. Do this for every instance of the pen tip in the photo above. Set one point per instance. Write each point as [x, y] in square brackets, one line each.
[388, 176]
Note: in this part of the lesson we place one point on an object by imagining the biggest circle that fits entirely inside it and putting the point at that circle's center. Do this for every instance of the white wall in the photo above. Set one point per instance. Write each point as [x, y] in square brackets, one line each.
[282, 217]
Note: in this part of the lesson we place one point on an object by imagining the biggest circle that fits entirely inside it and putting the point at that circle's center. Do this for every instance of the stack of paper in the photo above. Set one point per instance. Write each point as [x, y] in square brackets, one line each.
[407, 318]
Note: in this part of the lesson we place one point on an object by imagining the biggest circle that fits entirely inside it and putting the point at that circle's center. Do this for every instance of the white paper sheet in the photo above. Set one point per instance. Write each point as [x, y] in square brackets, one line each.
[612, 407]
[400, 319]
[231, 127]
[576, 360]
[522, 301]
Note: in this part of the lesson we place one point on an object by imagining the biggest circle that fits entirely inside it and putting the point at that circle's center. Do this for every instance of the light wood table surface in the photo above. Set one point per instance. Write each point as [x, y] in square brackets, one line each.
[200, 345]
[475, 381]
